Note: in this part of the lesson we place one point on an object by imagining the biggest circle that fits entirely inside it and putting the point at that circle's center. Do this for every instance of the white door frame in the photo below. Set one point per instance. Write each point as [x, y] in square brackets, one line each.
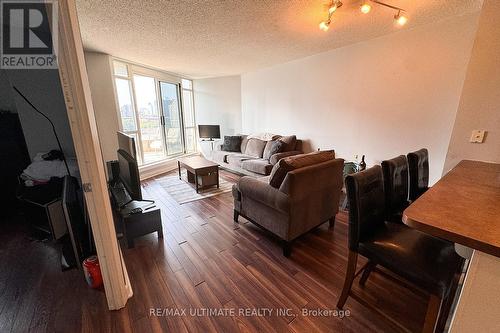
[76, 89]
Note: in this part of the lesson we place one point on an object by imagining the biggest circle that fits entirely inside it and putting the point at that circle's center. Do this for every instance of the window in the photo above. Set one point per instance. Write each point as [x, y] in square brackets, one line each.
[159, 114]
[124, 94]
[172, 117]
[148, 112]
[189, 123]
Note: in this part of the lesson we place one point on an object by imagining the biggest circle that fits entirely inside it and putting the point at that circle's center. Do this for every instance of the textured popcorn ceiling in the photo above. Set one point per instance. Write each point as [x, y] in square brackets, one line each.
[216, 38]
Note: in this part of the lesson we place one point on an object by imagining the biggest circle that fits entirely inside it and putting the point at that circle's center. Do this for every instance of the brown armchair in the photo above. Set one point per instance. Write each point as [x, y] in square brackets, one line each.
[307, 196]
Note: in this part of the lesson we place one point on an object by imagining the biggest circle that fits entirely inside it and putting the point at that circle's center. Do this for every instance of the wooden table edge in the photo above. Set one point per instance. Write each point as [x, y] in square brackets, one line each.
[453, 237]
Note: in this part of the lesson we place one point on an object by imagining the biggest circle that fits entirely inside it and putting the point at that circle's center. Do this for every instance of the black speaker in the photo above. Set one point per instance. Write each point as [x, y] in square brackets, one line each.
[113, 170]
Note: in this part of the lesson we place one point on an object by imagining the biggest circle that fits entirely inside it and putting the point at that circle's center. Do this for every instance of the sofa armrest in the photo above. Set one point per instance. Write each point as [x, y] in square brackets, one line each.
[264, 193]
[276, 157]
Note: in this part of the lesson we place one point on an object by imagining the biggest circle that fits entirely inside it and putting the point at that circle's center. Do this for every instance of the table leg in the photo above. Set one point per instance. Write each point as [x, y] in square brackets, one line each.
[217, 177]
[196, 181]
[179, 167]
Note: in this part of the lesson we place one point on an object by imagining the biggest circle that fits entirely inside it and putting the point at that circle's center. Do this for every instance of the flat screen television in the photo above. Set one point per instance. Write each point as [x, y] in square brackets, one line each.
[129, 174]
[127, 143]
[209, 131]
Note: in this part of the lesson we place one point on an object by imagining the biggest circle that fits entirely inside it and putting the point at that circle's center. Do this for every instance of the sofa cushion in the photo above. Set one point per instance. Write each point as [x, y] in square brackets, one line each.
[289, 141]
[264, 136]
[287, 164]
[259, 166]
[244, 141]
[255, 147]
[219, 156]
[232, 143]
[236, 159]
[272, 147]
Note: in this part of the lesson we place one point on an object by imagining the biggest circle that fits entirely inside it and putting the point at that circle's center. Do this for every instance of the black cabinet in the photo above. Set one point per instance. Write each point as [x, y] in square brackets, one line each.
[14, 157]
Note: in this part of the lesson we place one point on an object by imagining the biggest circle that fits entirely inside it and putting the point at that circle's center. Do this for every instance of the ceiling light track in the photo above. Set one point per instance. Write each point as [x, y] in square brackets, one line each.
[387, 5]
[334, 5]
[401, 18]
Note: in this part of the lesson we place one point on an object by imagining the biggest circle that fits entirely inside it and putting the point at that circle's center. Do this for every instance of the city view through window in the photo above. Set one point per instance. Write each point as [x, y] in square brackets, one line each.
[158, 114]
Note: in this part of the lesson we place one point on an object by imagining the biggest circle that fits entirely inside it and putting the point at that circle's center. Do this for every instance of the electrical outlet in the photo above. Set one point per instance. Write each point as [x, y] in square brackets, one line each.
[477, 136]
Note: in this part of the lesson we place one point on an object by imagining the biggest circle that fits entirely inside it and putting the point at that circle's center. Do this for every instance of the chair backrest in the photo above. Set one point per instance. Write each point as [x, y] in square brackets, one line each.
[314, 194]
[365, 192]
[287, 164]
[306, 181]
[418, 167]
[395, 172]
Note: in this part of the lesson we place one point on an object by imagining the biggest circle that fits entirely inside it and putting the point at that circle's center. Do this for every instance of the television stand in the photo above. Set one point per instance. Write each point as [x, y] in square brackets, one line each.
[211, 140]
[135, 218]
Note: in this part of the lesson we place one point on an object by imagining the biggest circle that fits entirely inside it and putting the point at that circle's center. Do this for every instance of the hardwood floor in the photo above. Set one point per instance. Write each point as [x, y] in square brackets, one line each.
[204, 262]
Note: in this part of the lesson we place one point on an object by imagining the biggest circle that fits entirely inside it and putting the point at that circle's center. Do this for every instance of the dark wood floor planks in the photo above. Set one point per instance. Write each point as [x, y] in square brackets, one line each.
[205, 260]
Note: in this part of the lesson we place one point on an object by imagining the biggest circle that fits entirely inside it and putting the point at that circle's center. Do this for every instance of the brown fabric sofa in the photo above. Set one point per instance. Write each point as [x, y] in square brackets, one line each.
[302, 192]
[251, 160]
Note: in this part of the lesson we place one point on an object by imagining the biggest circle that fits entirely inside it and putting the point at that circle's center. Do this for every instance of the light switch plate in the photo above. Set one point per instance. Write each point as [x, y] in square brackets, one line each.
[477, 136]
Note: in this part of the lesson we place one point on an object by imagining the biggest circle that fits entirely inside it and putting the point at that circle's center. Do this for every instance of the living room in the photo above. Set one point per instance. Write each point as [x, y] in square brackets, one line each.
[265, 146]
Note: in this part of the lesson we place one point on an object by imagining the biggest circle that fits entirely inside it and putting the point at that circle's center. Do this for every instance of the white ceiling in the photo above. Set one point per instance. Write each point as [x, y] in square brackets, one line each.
[228, 37]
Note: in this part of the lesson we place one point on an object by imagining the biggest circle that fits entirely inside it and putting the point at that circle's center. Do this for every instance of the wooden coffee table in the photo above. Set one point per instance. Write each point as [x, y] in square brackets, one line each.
[200, 171]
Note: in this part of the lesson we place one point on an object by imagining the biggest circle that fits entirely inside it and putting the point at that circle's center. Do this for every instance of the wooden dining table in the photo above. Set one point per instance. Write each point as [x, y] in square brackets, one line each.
[464, 207]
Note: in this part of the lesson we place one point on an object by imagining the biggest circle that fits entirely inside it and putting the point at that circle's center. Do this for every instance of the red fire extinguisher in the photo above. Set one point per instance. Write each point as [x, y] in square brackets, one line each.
[92, 272]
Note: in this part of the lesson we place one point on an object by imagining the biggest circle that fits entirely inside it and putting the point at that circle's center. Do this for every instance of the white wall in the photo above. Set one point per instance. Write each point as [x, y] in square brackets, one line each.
[43, 88]
[480, 103]
[217, 101]
[103, 99]
[382, 97]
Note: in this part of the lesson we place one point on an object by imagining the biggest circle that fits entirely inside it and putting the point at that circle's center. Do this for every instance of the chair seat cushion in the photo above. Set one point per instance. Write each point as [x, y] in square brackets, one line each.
[426, 261]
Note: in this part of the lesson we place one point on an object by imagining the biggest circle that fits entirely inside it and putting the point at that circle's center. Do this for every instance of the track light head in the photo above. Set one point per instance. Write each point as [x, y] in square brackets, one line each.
[324, 25]
[365, 8]
[401, 18]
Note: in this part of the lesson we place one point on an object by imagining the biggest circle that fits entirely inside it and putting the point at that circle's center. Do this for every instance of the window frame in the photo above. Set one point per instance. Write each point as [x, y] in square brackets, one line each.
[181, 116]
[129, 78]
[191, 93]
[158, 76]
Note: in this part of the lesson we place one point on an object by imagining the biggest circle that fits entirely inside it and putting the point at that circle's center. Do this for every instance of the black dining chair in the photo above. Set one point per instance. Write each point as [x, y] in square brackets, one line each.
[425, 261]
[395, 173]
[418, 167]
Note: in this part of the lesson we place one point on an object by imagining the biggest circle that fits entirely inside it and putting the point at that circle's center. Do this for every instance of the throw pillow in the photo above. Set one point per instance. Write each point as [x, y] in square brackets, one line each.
[278, 173]
[231, 143]
[272, 147]
[255, 147]
[289, 141]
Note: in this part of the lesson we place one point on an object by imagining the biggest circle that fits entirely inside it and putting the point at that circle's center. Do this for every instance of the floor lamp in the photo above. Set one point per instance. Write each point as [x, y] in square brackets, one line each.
[53, 128]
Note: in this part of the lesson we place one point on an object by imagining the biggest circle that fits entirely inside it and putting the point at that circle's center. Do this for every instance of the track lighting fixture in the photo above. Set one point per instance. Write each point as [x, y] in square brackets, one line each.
[336, 4]
[366, 8]
[401, 17]
[324, 25]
